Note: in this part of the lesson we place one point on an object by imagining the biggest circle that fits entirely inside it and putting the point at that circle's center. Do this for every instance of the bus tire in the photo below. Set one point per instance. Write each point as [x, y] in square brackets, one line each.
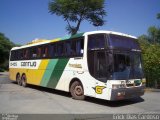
[77, 91]
[24, 80]
[18, 79]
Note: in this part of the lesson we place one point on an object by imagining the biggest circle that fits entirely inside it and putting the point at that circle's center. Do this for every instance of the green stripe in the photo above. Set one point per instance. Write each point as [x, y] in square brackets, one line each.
[72, 36]
[55, 68]
[76, 35]
[48, 72]
[57, 73]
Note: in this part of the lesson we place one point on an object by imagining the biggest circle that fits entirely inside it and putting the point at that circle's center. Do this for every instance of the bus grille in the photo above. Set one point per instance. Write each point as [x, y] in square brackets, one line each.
[129, 85]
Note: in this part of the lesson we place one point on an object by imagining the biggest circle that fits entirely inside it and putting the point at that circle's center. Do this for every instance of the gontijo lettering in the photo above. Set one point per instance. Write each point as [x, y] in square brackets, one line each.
[28, 64]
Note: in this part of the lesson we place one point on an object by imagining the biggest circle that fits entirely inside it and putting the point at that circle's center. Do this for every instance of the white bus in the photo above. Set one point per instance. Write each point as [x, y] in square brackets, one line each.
[100, 64]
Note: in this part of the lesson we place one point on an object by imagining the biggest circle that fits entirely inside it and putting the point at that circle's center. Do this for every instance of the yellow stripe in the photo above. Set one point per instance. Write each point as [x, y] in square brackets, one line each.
[34, 76]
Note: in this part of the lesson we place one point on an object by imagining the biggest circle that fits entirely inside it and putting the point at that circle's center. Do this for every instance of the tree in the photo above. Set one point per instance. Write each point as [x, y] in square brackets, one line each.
[151, 53]
[154, 34]
[76, 11]
[5, 46]
[150, 45]
[151, 61]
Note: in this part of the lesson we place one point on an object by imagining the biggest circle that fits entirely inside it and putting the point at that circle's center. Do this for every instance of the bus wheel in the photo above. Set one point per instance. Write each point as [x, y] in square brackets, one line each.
[24, 80]
[77, 91]
[18, 80]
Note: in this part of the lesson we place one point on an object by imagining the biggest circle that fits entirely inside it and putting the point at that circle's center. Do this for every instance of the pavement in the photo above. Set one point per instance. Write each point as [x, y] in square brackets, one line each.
[38, 100]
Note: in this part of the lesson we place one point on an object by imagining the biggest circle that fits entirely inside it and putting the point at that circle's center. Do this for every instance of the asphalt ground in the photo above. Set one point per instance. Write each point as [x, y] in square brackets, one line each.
[38, 100]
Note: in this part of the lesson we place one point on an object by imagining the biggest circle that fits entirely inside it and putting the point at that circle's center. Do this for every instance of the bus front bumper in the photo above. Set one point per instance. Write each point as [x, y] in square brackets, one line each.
[127, 93]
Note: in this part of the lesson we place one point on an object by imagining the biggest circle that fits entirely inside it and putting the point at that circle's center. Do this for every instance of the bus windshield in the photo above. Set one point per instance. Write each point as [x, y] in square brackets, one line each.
[117, 41]
[116, 58]
[126, 66]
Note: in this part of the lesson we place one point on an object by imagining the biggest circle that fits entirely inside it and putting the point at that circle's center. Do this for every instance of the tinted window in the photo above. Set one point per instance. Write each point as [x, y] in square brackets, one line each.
[44, 51]
[68, 48]
[80, 47]
[52, 51]
[39, 52]
[13, 55]
[60, 49]
[127, 66]
[123, 42]
[20, 54]
[34, 53]
[96, 41]
[73, 48]
[99, 65]
[26, 54]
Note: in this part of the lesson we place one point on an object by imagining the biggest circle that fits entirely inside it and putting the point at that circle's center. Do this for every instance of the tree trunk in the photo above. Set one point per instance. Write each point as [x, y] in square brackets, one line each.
[77, 27]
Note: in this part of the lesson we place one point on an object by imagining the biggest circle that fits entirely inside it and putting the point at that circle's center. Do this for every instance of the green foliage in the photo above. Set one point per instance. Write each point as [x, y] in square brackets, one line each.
[152, 64]
[76, 11]
[150, 45]
[154, 34]
[151, 56]
[5, 46]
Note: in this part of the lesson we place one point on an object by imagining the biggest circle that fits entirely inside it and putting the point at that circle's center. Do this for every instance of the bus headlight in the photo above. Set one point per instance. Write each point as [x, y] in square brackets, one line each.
[117, 86]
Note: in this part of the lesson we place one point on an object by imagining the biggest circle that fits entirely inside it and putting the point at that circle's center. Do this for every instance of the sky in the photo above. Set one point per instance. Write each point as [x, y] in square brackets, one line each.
[25, 20]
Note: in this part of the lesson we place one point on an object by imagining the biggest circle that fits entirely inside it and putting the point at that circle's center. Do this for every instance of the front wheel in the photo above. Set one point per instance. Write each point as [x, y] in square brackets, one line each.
[77, 91]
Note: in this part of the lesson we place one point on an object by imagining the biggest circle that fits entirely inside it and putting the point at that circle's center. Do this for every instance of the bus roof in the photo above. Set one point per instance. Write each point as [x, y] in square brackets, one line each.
[43, 41]
[110, 32]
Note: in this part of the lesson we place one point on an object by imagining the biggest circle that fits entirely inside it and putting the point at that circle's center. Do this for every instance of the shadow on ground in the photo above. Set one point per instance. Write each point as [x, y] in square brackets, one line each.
[115, 103]
[90, 99]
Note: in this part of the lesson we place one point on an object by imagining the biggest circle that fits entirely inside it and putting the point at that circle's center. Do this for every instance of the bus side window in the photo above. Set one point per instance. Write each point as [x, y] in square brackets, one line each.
[52, 50]
[21, 54]
[13, 55]
[27, 54]
[73, 48]
[34, 53]
[96, 41]
[68, 48]
[45, 52]
[60, 49]
[55, 50]
[79, 47]
[39, 51]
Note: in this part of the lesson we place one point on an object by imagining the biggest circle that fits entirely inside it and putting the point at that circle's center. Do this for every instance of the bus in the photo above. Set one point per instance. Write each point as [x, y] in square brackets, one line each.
[101, 64]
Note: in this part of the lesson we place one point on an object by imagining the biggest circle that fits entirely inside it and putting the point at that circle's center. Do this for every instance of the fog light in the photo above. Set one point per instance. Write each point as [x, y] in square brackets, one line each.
[120, 93]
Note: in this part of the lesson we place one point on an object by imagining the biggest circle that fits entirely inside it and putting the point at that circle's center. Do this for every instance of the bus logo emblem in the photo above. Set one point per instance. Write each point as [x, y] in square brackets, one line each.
[99, 89]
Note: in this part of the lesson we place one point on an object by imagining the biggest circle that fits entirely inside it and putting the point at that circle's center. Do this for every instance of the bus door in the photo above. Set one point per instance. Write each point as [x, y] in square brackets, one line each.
[100, 67]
